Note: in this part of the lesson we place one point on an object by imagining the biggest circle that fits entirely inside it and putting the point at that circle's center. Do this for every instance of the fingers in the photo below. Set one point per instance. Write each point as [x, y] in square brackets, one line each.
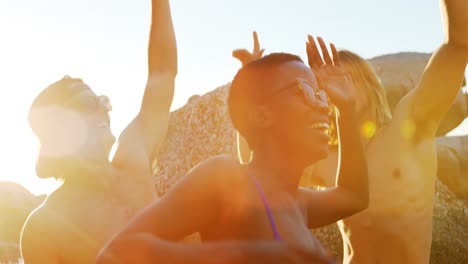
[336, 59]
[256, 43]
[242, 55]
[313, 55]
[326, 55]
[261, 53]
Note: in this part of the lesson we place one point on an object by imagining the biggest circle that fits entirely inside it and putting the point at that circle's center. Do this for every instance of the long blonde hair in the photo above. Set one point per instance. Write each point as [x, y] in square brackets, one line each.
[365, 78]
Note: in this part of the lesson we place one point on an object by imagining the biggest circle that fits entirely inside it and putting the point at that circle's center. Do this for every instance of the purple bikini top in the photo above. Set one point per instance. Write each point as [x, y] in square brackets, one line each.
[268, 210]
[267, 207]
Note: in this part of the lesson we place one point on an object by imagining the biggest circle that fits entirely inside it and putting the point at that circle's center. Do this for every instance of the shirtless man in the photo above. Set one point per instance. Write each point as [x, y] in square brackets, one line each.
[257, 213]
[400, 150]
[401, 154]
[98, 197]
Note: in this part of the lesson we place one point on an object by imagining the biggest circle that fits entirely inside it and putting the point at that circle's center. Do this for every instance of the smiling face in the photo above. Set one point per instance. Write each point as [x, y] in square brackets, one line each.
[71, 120]
[299, 123]
[93, 111]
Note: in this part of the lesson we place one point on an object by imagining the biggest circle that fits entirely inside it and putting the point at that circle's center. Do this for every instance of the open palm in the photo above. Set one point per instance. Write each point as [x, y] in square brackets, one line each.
[332, 78]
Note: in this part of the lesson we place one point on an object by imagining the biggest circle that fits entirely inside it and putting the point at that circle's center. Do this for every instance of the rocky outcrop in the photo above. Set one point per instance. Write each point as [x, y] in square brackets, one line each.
[202, 129]
[15, 205]
[401, 72]
[452, 164]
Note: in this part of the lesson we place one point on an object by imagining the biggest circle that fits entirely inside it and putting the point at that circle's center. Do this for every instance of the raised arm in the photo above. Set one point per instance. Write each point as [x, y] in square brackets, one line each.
[442, 79]
[140, 141]
[351, 193]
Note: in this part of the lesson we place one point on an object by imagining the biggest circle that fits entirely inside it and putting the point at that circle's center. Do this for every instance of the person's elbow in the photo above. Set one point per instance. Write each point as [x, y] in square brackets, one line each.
[358, 198]
[112, 253]
[356, 203]
[361, 199]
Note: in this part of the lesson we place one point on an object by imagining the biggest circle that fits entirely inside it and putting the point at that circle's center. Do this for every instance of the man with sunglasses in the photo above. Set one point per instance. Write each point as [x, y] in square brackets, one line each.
[256, 213]
[97, 197]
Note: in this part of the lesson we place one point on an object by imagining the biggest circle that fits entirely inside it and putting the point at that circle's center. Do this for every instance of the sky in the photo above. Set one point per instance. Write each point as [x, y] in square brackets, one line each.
[104, 42]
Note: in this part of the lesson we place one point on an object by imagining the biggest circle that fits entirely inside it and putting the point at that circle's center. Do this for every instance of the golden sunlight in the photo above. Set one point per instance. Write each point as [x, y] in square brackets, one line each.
[408, 129]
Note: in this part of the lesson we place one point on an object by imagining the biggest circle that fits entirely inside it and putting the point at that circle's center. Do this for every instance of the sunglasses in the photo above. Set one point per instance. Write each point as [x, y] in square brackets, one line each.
[312, 93]
[90, 104]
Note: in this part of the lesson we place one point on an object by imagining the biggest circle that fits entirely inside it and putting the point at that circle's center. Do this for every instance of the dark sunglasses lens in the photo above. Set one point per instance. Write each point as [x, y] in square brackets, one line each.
[309, 92]
[323, 97]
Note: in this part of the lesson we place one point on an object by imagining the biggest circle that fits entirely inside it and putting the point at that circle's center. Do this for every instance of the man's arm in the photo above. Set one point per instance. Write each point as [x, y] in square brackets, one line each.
[351, 193]
[441, 81]
[140, 141]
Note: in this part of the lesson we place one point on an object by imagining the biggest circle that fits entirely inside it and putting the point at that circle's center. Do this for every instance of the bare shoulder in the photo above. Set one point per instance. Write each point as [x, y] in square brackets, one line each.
[222, 171]
[405, 127]
[40, 237]
[42, 220]
[402, 110]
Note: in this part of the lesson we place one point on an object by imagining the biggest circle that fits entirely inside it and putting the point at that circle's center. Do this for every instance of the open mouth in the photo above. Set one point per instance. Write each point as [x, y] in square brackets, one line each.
[320, 126]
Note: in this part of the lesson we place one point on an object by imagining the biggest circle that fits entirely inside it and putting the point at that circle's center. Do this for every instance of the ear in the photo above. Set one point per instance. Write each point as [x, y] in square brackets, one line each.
[261, 117]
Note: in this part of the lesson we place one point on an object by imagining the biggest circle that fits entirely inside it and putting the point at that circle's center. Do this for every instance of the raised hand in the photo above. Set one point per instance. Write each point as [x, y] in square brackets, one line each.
[246, 56]
[455, 19]
[331, 76]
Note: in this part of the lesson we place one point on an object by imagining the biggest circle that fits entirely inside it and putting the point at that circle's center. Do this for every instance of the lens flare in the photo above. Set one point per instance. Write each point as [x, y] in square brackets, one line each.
[408, 129]
[368, 129]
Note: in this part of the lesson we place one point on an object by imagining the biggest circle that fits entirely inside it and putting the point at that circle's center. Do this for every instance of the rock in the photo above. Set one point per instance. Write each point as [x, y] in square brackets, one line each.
[202, 129]
[452, 167]
[450, 228]
[401, 72]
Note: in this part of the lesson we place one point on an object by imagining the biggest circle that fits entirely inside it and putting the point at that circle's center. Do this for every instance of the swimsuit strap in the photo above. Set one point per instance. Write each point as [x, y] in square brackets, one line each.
[267, 207]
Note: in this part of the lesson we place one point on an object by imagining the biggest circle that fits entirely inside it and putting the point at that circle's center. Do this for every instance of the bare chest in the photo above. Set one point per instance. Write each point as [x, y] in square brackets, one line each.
[95, 220]
[401, 175]
[251, 221]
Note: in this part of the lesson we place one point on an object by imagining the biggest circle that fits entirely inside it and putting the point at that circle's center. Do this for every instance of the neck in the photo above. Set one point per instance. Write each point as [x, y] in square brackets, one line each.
[275, 170]
[81, 172]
